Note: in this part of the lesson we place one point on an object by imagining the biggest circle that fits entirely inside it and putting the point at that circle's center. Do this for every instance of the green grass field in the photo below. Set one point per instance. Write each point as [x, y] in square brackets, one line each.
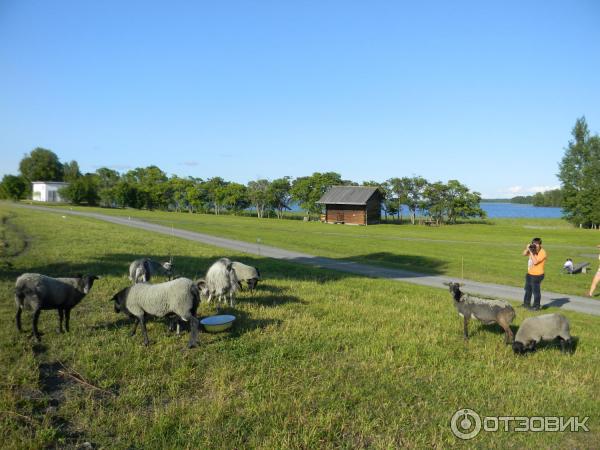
[482, 252]
[317, 359]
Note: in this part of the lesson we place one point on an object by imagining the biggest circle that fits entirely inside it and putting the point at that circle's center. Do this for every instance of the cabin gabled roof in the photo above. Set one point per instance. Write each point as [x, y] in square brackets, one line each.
[348, 195]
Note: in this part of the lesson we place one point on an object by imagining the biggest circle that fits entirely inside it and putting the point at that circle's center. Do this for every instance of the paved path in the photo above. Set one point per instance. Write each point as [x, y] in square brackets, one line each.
[565, 301]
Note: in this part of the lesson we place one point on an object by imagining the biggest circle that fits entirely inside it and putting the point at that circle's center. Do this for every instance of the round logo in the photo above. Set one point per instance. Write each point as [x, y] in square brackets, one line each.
[465, 424]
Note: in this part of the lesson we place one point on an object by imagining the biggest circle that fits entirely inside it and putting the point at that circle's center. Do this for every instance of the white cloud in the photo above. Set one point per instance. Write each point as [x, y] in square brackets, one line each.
[535, 189]
[515, 189]
[189, 163]
[520, 190]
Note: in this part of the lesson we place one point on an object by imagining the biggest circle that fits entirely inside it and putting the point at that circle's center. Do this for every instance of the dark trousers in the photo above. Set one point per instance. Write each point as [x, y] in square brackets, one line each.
[532, 286]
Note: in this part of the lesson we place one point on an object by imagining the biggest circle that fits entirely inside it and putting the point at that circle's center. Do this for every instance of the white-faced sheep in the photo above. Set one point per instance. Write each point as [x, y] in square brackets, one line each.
[36, 292]
[178, 297]
[220, 282]
[486, 311]
[249, 274]
[141, 270]
[542, 328]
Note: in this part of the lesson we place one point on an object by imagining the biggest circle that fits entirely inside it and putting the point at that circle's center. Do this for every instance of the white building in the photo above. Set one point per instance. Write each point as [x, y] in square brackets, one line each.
[47, 191]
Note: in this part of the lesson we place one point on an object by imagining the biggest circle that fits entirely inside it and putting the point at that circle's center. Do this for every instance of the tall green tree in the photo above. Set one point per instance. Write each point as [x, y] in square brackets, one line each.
[307, 191]
[260, 196]
[150, 183]
[82, 190]
[235, 197]
[71, 171]
[279, 194]
[461, 203]
[215, 191]
[435, 200]
[41, 165]
[412, 197]
[107, 180]
[580, 177]
[13, 187]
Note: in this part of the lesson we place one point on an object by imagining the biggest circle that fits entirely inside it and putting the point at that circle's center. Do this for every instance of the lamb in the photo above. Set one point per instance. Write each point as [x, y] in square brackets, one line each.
[179, 297]
[249, 274]
[37, 292]
[220, 281]
[141, 270]
[542, 328]
[486, 311]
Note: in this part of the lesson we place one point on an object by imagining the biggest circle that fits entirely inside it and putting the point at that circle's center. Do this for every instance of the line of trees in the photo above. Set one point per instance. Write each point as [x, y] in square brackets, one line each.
[552, 197]
[151, 188]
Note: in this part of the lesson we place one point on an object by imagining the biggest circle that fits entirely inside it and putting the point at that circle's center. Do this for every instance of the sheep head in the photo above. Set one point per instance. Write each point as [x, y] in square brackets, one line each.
[86, 282]
[120, 298]
[454, 289]
[202, 287]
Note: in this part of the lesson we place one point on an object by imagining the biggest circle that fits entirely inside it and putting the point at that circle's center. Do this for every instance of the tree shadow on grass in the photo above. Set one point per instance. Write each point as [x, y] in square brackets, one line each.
[391, 265]
[303, 268]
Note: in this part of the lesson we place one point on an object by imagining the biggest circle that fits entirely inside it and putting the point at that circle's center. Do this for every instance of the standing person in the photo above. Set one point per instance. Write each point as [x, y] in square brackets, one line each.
[595, 280]
[535, 273]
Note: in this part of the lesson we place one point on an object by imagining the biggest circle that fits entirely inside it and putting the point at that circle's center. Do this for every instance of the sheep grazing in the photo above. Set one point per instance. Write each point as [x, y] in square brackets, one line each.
[36, 292]
[220, 281]
[141, 270]
[486, 311]
[246, 273]
[179, 297]
[542, 328]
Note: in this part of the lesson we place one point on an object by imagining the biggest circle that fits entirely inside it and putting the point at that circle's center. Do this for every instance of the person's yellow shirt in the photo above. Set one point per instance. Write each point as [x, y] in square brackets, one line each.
[537, 269]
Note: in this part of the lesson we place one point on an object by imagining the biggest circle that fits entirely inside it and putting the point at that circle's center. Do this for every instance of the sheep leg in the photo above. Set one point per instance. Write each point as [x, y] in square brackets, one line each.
[465, 328]
[565, 345]
[144, 332]
[18, 319]
[61, 313]
[36, 317]
[67, 319]
[134, 329]
[193, 332]
[508, 334]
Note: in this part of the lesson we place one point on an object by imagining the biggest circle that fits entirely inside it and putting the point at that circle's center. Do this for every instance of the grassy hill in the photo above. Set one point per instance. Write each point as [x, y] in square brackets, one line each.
[317, 359]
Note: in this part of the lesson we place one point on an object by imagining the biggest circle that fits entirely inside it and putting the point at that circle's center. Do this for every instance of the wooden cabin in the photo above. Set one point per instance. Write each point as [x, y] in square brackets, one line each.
[352, 205]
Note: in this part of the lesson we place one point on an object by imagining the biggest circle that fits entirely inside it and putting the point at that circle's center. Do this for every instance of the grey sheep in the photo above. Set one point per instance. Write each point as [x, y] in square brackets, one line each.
[249, 274]
[220, 281]
[179, 297]
[486, 311]
[141, 270]
[542, 328]
[36, 292]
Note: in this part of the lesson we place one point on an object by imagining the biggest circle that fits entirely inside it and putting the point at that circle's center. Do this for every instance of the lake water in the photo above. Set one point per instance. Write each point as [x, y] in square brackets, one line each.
[505, 210]
[515, 210]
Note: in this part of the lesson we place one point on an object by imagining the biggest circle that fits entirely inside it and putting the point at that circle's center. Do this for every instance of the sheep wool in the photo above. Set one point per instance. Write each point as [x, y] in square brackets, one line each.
[542, 328]
[221, 281]
[36, 292]
[176, 296]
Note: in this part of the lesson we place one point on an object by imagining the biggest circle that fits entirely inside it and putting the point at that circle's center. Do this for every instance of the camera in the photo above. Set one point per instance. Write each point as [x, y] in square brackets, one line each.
[533, 248]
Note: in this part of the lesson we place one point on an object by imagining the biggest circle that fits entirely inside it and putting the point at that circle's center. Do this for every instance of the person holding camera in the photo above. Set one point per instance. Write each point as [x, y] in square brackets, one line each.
[535, 273]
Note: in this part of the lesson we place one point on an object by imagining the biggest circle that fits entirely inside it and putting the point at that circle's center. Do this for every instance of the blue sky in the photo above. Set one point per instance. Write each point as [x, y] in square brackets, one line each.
[483, 92]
